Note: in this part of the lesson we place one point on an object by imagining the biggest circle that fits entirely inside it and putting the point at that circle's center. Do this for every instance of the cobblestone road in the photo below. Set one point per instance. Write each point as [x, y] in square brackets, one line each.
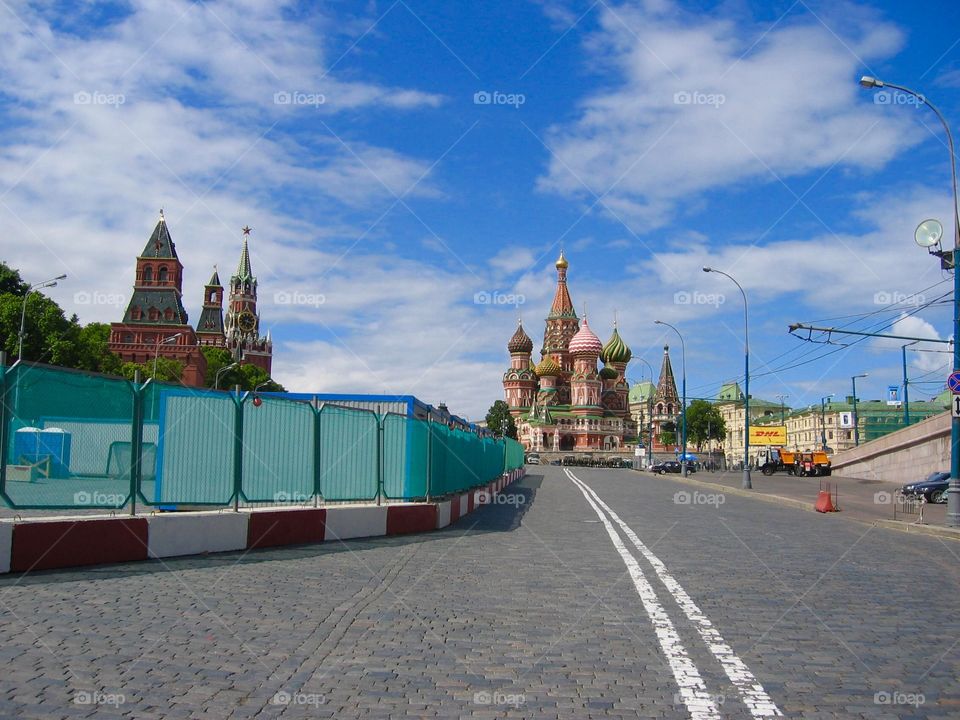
[523, 609]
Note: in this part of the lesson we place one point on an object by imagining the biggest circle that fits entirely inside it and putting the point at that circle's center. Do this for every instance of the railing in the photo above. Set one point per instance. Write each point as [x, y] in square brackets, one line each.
[71, 439]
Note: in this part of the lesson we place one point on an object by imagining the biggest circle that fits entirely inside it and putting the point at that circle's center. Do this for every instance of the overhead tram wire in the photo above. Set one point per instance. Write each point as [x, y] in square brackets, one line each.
[897, 307]
[880, 325]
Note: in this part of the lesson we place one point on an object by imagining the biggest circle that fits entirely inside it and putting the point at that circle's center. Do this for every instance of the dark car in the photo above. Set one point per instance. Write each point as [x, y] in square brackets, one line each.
[933, 488]
[670, 466]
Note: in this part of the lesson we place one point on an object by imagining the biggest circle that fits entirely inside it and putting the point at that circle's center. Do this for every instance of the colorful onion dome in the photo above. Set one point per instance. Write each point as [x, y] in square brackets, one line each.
[562, 263]
[608, 373]
[585, 342]
[616, 349]
[548, 368]
[520, 342]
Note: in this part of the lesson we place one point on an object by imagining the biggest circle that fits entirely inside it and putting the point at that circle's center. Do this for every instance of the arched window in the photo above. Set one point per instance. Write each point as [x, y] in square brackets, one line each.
[213, 297]
[168, 314]
[162, 274]
[154, 314]
[136, 313]
[128, 337]
[660, 408]
[147, 275]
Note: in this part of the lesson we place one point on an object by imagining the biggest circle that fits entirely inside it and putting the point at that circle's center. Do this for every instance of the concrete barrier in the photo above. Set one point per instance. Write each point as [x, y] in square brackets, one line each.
[60, 542]
[173, 534]
[348, 522]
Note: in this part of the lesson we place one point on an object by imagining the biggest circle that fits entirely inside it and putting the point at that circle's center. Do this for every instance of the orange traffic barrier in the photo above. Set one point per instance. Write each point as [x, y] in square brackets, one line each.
[824, 502]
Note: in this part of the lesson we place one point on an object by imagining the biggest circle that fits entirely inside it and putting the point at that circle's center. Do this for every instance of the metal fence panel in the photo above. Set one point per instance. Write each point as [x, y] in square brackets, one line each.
[405, 455]
[64, 430]
[195, 450]
[277, 451]
[349, 453]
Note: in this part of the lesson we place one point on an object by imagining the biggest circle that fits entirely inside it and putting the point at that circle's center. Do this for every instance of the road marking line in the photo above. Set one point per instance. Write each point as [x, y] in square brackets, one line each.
[752, 693]
[693, 690]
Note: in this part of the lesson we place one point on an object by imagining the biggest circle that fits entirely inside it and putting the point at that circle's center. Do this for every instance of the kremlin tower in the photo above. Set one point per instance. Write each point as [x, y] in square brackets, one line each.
[564, 402]
[155, 323]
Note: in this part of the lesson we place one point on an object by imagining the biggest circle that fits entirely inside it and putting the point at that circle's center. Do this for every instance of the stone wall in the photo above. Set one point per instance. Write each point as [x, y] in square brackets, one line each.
[902, 456]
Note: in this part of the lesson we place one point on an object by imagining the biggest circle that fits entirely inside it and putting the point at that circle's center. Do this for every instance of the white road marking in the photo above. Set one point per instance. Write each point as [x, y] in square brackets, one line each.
[693, 690]
[751, 691]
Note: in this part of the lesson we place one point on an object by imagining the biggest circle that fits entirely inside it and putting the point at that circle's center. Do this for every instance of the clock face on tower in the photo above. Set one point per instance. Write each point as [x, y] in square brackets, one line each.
[246, 321]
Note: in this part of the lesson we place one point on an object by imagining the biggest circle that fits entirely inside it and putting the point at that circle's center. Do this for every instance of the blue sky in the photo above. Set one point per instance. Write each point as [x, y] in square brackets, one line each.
[645, 138]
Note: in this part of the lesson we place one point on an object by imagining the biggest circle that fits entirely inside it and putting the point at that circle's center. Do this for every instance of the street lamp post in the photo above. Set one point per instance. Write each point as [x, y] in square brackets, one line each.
[856, 420]
[221, 371]
[906, 383]
[953, 493]
[683, 407]
[649, 413]
[156, 352]
[823, 422]
[746, 484]
[781, 398]
[52, 282]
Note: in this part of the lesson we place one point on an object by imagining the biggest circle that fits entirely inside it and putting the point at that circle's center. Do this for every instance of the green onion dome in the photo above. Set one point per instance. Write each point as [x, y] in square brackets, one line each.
[616, 350]
[608, 373]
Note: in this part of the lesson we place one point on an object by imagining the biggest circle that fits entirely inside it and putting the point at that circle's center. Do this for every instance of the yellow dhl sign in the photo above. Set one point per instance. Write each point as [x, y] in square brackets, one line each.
[768, 435]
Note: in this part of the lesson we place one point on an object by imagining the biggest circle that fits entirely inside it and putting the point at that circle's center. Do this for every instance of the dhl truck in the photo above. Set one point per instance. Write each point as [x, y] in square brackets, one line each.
[772, 459]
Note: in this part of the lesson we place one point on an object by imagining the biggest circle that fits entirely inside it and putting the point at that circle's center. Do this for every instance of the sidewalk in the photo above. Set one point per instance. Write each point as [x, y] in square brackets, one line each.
[866, 501]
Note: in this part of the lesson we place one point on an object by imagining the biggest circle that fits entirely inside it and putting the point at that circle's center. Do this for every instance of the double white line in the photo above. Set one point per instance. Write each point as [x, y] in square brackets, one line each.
[693, 690]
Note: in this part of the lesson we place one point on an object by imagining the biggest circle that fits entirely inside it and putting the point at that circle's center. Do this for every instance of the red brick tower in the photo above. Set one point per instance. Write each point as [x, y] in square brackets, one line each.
[155, 322]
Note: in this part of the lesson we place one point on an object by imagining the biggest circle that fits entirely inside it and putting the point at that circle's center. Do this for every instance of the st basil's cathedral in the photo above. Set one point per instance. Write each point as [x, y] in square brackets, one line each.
[564, 402]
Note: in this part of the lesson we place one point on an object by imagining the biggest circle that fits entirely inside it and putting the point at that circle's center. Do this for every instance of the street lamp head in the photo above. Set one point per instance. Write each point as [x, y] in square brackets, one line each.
[708, 269]
[870, 82]
[657, 322]
[61, 277]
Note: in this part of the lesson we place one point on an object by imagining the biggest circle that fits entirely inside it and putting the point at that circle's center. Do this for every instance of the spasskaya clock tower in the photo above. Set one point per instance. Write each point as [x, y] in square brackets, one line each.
[242, 322]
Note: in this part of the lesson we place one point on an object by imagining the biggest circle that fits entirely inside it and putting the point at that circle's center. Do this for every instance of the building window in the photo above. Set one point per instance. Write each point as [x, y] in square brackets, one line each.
[154, 314]
[168, 314]
[128, 337]
[147, 275]
[136, 313]
[162, 275]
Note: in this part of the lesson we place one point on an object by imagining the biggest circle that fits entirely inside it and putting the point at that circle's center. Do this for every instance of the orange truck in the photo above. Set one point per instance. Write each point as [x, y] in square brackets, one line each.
[773, 459]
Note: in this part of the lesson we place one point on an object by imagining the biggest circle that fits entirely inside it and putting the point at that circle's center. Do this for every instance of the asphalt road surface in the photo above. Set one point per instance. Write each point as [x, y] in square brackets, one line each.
[583, 594]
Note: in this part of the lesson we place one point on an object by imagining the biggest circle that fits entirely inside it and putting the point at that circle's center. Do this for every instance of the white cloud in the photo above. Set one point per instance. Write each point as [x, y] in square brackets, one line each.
[704, 103]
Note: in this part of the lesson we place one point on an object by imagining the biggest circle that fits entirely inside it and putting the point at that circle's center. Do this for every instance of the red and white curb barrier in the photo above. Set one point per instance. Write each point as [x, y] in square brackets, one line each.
[58, 542]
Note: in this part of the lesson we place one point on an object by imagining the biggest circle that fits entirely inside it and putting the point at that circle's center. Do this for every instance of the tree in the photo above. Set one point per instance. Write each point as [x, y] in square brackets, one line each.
[668, 433]
[499, 420]
[11, 282]
[93, 352]
[49, 336]
[247, 376]
[168, 370]
[704, 423]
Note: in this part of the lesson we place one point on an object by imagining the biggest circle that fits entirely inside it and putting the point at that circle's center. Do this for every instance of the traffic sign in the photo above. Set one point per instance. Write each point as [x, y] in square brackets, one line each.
[953, 382]
[955, 408]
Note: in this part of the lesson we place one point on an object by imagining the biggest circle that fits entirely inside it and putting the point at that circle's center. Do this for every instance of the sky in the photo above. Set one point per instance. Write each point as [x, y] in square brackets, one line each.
[412, 169]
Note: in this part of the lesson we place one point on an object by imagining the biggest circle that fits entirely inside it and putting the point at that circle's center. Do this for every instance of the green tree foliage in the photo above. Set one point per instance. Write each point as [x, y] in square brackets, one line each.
[499, 420]
[668, 433]
[248, 377]
[167, 370]
[704, 423]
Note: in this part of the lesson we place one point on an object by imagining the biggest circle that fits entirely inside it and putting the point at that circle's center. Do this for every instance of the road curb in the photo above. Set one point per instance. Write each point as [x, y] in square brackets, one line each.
[929, 530]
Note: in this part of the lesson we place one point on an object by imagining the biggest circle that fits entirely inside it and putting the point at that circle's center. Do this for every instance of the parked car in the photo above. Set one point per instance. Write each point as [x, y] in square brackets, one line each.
[533, 459]
[671, 466]
[933, 488]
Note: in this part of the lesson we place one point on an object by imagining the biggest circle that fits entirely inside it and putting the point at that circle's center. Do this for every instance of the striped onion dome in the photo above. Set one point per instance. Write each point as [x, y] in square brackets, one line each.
[585, 342]
[616, 349]
[548, 368]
